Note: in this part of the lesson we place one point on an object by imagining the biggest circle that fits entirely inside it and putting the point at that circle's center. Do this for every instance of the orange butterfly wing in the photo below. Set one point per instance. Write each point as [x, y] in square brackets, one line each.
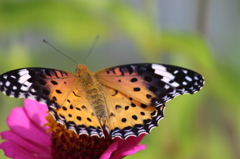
[136, 94]
[151, 84]
[125, 100]
[128, 117]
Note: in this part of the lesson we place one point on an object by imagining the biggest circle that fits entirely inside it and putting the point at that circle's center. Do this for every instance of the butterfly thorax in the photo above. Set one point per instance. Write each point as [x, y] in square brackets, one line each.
[90, 85]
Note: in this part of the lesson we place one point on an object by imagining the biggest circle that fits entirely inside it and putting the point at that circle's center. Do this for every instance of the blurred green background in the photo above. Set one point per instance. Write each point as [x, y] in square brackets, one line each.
[202, 35]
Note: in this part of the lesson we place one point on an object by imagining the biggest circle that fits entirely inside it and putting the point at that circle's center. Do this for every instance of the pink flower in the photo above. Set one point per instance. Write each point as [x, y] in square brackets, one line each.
[27, 138]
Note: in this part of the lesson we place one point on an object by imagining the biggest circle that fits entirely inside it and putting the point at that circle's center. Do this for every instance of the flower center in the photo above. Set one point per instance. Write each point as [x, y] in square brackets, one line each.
[66, 144]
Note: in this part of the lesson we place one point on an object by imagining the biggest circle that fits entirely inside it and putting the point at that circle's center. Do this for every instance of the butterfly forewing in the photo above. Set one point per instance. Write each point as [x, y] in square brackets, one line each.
[151, 84]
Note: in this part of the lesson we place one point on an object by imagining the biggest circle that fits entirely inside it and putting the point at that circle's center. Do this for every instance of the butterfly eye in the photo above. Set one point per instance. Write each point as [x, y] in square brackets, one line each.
[77, 70]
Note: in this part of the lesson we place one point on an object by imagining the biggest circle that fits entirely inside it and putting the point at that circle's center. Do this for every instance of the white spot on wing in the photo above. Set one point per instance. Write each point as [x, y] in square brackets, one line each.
[175, 84]
[12, 76]
[24, 88]
[62, 122]
[22, 72]
[41, 100]
[11, 94]
[21, 95]
[191, 88]
[176, 71]
[166, 98]
[82, 131]
[188, 78]
[196, 84]
[32, 90]
[181, 90]
[24, 78]
[52, 106]
[7, 84]
[166, 86]
[174, 92]
[161, 70]
[195, 77]
[185, 71]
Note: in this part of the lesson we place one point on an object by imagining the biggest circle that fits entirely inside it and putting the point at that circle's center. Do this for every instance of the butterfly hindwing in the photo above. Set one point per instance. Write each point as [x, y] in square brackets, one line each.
[128, 117]
[151, 84]
[57, 89]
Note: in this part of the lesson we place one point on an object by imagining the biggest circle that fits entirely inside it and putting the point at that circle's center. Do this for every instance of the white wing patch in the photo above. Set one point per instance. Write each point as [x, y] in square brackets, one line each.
[167, 77]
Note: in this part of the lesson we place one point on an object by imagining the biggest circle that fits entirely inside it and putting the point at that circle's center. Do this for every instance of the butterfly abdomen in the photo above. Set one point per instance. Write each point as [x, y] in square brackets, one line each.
[97, 102]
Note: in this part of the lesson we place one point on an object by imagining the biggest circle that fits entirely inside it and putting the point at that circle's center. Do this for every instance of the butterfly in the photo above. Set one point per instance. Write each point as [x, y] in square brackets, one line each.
[126, 100]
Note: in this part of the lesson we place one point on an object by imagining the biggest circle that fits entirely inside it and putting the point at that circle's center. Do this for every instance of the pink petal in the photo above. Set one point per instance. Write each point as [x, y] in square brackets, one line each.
[121, 148]
[17, 140]
[36, 112]
[131, 151]
[20, 124]
[107, 154]
[14, 151]
[128, 147]
[27, 139]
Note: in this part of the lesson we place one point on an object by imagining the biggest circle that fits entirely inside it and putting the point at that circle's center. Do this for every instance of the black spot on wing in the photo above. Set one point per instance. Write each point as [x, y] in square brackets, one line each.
[118, 106]
[79, 118]
[124, 120]
[84, 107]
[133, 105]
[75, 94]
[112, 114]
[126, 107]
[134, 117]
[54, 82]
[88, 119]
[71, 106]
[58, 91]
[78, 108]
[115, 93]
[136, 89]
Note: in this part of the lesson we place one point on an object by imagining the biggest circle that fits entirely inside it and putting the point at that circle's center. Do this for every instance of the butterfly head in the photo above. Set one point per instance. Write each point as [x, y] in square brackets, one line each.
[80, 68]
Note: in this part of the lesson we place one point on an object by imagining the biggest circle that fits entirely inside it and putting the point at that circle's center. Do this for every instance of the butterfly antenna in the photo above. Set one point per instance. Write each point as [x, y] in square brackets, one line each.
[97, 37]
[45, 41]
